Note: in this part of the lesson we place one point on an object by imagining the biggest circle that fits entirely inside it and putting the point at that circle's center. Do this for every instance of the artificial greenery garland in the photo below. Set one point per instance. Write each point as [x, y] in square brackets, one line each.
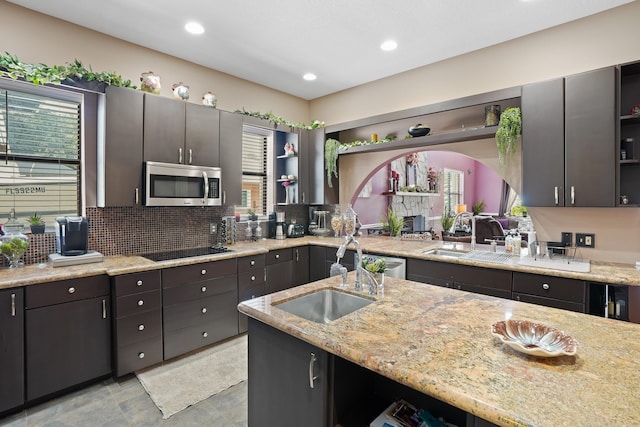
[39, 74]
[507, 134]
[280, 121]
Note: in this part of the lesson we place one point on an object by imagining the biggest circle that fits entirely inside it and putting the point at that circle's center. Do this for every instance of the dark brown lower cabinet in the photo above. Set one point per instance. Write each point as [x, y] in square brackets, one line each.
[137, 323]
[252, 283]
[11, 349]
[289, 380]
[68, 334]
[300, 265]
[550, 291]
[487, 281]
[199, 305]
[279, 265]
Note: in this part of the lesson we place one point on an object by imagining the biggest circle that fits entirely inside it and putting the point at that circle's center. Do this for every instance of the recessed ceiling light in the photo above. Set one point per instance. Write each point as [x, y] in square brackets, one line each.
[309, 77]
[389, 45]
[194, 28]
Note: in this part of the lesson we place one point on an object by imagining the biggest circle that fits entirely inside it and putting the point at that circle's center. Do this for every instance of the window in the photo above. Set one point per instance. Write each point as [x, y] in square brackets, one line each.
[256, 194]
[453, 189]
[39, 151]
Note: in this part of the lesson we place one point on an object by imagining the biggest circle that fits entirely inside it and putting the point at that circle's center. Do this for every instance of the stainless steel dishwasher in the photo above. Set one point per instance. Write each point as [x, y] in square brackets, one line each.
[396, 267]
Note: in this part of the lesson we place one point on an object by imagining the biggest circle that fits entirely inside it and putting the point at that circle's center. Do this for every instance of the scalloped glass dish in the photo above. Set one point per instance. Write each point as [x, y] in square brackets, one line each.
[535, 339]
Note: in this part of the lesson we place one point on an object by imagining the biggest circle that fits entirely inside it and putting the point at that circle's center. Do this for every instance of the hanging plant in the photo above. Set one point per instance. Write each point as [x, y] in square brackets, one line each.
[331, 148]
[507, 134]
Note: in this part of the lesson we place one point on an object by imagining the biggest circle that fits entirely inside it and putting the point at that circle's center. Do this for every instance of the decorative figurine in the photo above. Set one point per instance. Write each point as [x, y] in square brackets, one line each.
[180, 91]
[209, 100]
[150, 83]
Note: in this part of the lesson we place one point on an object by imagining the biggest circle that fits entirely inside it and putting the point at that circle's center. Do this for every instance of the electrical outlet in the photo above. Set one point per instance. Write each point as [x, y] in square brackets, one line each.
[212, 228]
[567, 238]
[586, 240]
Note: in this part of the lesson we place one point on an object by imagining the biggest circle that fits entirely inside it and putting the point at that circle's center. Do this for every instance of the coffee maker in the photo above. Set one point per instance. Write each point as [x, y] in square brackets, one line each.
[71, 235]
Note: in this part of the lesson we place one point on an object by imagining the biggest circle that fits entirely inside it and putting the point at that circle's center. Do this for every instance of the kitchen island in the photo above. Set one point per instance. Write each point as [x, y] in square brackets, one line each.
[438, 342]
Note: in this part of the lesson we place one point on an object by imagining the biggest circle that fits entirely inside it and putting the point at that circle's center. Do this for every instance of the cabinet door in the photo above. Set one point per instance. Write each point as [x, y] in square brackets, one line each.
[67, 344]
[288, 387]
[317, 260]
[11, 349]
[164, 127]
[202, 136]
[287, 165]
[231, 152]
[300, 265]
[590, 138]
[279, 276]
[543, 143]
[123, 147]
[320, 192]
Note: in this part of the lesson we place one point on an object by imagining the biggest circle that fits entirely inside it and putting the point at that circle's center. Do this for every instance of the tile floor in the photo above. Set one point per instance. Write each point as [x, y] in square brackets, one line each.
[126, 403]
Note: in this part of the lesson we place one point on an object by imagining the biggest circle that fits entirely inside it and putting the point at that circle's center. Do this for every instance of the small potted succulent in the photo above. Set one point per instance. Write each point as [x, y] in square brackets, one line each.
[36, 223]
[252, 215]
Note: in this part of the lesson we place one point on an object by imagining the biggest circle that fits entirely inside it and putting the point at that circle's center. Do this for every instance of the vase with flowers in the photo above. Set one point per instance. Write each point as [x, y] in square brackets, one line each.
[286, 185]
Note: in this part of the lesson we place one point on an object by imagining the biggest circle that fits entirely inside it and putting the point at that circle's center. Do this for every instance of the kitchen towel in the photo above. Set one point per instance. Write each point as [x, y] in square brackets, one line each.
[178, 384]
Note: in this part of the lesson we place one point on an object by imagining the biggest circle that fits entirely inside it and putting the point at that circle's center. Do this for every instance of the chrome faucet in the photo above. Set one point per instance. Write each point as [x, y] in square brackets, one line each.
[459, 217]
[360, 270]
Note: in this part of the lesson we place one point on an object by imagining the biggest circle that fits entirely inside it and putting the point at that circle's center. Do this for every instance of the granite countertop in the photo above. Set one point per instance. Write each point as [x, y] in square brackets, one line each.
[620, 274]
[438, 341]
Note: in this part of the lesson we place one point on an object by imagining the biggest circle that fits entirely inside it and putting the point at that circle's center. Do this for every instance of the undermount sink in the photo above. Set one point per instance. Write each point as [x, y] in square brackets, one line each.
[324, 306]
[445, 253]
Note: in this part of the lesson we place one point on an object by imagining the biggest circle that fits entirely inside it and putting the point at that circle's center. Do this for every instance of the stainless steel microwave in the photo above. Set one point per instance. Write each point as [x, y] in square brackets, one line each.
[167, 184]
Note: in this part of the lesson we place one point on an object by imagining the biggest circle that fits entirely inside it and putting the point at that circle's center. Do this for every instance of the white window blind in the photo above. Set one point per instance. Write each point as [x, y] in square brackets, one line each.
[453, 189]
[254, 173]
[40, 155]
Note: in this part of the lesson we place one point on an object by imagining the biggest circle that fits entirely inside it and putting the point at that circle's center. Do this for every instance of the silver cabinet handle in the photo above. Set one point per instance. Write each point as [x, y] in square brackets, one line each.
[104, 308]
[203, 289]
[141, 327]
[555, 194]
[203, 272]
[573, 195]
[180, 155]
[205, 179]
[224, 197]
[141, 355]
[204, 335]
[253, 262]
[265, 275]
[139, 283]
[518, 298]
[190, 156]
[253, 278]
[71, 290]
[303, 201]
[545, 286]
[277, 256]
[297, 255]
[312, 362]
[136, 195]
[13, 305]
[204, 310]
[140, 303]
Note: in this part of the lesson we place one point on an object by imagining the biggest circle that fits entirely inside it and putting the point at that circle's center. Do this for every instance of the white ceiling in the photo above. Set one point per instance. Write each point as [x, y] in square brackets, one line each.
[275, 42]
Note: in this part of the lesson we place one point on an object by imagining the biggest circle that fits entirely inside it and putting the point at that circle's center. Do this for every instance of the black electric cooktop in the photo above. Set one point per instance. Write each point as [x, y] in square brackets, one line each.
[185, 253]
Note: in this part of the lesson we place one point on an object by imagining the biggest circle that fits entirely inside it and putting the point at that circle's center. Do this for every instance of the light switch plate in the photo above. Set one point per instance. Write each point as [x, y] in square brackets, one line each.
[567, 238]
[586, 240]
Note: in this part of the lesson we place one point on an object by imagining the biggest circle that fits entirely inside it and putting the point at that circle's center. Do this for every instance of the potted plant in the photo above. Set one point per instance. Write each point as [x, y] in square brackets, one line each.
[331, 147]
[446, 221]
[36, 223]
[376, 267]
[252, 215]
[507, 134]
[478, 207]
[393, 223]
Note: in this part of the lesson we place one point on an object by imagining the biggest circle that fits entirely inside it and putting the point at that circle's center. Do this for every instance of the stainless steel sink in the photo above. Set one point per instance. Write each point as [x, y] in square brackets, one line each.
[445, 253]
[324, 306]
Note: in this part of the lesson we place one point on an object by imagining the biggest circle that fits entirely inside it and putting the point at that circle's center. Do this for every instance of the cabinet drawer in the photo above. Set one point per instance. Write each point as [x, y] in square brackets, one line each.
[251, 278]
[199, 290]
[138, 355]
[251, 262]
[248, 292]
[550, 287]
[128, 284]
[139, 327]
[429, 269]
[62, 291]
[184, 340]
[278, 256]
[177, 276]
[549, 302]
[199, 312]
[480, 277]
[138, 303]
